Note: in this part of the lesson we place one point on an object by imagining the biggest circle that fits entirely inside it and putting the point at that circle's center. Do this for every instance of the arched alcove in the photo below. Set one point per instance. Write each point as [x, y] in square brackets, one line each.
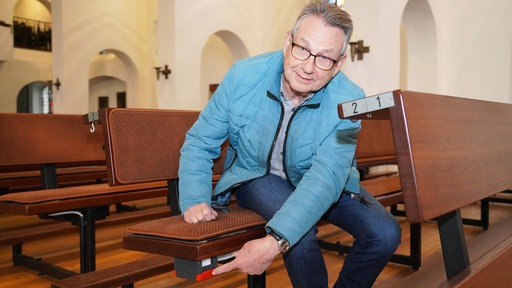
[35, 98]
[220, 51]
[106, 91]
[418, 47]
[109, 72]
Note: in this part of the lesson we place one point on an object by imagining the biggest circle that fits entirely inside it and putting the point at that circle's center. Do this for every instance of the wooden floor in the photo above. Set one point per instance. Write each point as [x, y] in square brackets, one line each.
[63, 251]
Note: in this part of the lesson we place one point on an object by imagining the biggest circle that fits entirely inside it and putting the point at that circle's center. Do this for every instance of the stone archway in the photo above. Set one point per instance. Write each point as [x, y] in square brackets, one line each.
[35, 97]
[109, 72]
[221, 50]
[418, 47]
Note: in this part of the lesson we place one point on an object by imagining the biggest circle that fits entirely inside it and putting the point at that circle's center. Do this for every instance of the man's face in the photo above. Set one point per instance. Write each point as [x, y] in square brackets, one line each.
[303, 76]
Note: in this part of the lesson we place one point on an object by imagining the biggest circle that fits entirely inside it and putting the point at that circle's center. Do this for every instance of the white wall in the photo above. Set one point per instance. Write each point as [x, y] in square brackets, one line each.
[261, 25]
[473, 47]
[6, 12]
[88, 27]
[18, 67]
[477, 49]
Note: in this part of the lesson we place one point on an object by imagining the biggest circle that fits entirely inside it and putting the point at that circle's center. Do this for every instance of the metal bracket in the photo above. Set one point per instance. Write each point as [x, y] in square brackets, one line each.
[93, 117]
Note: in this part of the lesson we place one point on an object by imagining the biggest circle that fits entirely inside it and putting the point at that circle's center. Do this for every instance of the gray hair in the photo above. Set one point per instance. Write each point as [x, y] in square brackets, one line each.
[332, 15]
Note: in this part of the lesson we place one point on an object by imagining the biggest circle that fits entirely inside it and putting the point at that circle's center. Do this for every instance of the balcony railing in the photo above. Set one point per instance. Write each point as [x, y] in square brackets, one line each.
[32, 34]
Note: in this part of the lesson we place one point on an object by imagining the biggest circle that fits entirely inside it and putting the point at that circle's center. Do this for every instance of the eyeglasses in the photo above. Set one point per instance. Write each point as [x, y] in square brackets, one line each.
[303, 54]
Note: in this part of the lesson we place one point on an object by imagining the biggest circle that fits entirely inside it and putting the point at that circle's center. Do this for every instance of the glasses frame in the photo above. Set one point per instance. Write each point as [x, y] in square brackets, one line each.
[293, 44]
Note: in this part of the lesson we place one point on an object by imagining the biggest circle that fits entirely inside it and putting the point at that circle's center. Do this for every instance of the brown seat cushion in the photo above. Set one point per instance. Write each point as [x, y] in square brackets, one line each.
[175, 227]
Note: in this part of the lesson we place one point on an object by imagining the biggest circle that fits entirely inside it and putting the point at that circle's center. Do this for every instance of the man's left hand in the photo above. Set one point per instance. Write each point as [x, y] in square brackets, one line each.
[254, 257]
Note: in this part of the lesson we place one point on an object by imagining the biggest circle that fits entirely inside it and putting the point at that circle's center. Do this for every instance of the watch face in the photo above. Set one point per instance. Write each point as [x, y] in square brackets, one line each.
[284, 246]
[282, 243]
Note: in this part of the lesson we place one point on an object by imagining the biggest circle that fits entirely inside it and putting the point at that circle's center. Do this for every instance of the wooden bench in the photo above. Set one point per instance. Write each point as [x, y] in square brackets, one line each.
[159, 158]
[123, 275]
[376, 148]
[42, 229]
[451, 152]
[375, 145]
[31, 180]
[136, 156]
[48, 144]
[49, 141]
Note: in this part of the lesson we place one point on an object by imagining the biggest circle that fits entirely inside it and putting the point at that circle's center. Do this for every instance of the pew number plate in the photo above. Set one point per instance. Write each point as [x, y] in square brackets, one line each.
[368, 104]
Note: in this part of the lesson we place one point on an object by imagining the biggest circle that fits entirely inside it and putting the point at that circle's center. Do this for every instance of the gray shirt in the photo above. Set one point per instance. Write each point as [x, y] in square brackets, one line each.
[276, 162]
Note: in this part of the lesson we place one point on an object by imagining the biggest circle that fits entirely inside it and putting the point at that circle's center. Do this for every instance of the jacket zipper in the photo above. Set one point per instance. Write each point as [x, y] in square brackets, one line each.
[269, 157]
[285, 170]
[294, 112]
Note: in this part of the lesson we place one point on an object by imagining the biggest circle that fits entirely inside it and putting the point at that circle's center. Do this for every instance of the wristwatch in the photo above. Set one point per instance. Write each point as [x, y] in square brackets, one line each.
[282, 243]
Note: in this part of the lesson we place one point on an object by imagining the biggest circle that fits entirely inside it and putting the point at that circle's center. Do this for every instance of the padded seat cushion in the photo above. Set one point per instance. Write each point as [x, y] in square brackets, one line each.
[175, 227]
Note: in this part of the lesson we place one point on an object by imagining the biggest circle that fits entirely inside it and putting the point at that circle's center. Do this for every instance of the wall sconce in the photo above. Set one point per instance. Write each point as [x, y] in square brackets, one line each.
[56, 83]
[4, 24]
[166, 72]
[358, 49]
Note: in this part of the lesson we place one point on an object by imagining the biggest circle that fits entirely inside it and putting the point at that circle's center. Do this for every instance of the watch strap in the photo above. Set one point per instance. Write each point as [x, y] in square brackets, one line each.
[282, 243]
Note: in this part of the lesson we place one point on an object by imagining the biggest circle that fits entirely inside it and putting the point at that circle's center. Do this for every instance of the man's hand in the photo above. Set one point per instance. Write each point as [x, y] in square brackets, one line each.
[254, 257]
[200, 213]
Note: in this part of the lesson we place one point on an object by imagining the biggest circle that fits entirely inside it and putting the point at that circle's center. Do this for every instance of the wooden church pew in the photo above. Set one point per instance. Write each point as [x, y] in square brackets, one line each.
[132, 147]
[49, 145]
[451, 152]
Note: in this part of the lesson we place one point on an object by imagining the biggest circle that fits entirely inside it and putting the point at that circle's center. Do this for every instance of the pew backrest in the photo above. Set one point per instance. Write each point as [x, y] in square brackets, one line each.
[31, 140]
[377, 144]
[153, 153]
[451, 151]
[151, 158]
[141, 144]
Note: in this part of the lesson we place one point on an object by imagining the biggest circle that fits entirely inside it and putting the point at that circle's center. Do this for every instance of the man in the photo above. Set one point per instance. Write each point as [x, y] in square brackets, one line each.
[290, 158]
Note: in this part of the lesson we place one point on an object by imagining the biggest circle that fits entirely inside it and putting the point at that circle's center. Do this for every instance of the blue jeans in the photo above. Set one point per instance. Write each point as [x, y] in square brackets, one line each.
[376, 233]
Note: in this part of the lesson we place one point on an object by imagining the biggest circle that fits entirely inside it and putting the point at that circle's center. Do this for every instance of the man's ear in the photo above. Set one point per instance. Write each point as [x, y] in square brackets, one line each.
[287, 41]
[339, 64]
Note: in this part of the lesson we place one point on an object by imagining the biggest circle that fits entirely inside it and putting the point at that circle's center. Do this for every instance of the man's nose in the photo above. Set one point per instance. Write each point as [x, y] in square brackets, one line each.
[309, 65]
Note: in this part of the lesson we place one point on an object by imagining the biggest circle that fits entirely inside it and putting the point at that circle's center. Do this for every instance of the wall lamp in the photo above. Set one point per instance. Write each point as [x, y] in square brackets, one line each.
[165, 71]
[358, 49]
[57, 83]
[4, 24]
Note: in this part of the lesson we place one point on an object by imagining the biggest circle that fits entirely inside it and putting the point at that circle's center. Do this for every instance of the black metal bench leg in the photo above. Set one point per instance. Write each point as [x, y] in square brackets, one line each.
[484, 216]
[415, 246]
[453, 243]
[88, 241]
[37, 264]
[256, 281]
[86, 220]
[504, 200]
[49, 176]
[414, 257]
[484, 213]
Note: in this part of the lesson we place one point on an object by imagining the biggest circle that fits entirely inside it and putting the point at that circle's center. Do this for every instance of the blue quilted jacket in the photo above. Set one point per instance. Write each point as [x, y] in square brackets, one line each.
[247, 110]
